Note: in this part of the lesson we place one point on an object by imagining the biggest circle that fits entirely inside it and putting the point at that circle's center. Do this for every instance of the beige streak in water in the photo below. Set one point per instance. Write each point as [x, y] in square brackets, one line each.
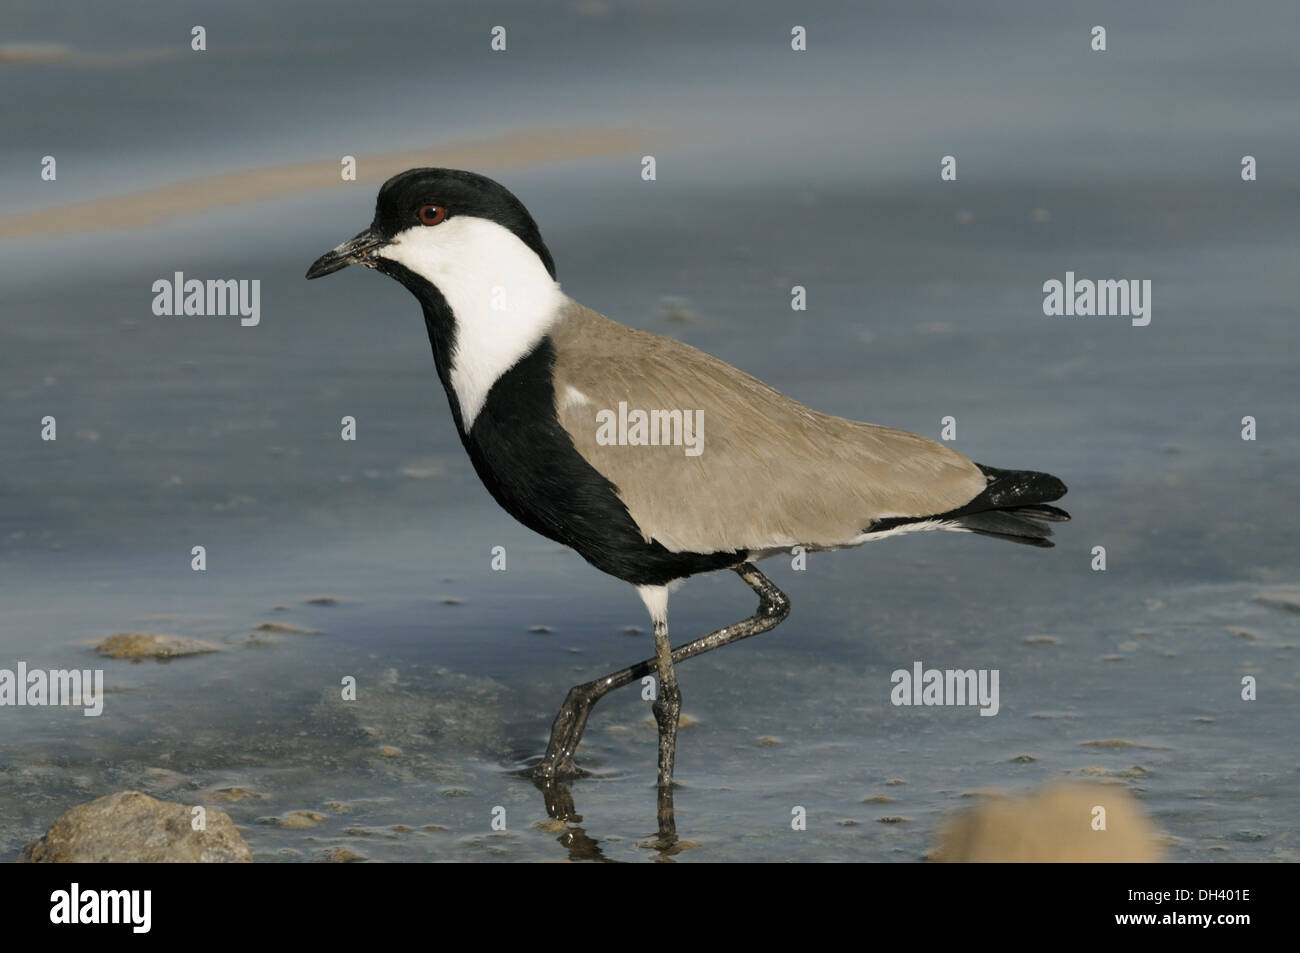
[151, 207]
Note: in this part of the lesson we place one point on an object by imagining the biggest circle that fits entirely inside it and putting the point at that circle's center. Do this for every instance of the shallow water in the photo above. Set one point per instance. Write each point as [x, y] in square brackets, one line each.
[924, 301]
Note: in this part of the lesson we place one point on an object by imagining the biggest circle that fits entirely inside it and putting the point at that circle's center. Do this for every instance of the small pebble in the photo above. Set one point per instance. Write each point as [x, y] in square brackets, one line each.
[343, 855]
[301, 819]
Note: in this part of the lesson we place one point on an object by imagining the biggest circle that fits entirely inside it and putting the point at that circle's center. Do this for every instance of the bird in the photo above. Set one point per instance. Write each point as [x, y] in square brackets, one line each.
[653, 460]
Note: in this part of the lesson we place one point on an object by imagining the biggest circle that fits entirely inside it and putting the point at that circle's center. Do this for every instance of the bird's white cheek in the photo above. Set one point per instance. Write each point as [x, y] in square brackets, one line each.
[419, 250]
[502, 298]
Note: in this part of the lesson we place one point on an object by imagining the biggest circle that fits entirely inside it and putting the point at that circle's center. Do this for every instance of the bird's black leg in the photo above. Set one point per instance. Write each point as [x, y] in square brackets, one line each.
[668, 704]
[566, 731]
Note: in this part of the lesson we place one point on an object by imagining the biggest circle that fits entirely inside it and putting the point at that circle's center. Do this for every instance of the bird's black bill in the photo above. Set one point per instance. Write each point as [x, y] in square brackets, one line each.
[358, 250]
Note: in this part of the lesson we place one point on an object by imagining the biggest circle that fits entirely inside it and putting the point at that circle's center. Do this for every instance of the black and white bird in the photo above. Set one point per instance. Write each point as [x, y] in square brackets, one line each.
[528, 372]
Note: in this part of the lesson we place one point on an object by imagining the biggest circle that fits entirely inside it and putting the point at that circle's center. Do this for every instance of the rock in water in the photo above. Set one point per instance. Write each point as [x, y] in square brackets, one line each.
[130, 827]
[142, 645]
[1060, 823]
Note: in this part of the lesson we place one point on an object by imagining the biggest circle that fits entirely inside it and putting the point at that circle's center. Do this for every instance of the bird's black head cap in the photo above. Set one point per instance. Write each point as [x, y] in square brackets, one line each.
[427, 197]
[460, 193]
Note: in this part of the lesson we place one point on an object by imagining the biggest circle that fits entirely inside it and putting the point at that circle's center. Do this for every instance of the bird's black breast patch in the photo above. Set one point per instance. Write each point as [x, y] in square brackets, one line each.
[529, 464]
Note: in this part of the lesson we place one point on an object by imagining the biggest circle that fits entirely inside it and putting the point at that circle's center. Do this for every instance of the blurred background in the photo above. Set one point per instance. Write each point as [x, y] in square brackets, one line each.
[774, 168]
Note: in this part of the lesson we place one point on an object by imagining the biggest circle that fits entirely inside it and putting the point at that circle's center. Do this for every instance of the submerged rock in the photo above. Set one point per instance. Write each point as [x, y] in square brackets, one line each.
[143, 645]
[1287, 598]
[300, 819]
[1241, 632]
[238, 794]
[1042, 640]
[288, 628]
[1123, 743]
[131, 827]
[344, 855]
[1055, 824]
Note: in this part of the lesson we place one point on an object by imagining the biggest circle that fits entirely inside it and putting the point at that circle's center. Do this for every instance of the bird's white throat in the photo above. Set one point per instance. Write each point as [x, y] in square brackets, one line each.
[501, 295]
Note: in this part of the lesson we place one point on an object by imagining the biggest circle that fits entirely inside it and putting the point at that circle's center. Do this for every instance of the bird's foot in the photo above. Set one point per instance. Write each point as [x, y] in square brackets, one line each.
[566, 734]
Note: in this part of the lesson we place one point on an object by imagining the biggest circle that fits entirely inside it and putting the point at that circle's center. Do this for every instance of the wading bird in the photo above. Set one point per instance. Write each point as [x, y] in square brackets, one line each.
[532, 377]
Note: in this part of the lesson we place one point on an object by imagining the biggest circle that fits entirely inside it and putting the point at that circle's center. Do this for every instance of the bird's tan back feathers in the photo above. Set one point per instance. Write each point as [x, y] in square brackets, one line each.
[771, 473]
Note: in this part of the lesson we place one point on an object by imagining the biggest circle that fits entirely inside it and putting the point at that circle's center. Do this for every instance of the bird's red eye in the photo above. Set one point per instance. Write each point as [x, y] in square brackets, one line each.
[431, 214]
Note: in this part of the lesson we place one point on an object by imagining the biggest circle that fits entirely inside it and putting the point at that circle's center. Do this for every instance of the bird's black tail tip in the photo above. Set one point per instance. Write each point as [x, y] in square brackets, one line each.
[1012, 488]
[1014, 506]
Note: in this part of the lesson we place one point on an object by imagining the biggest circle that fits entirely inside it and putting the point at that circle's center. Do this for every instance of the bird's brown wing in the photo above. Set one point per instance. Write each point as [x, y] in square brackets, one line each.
[771, 473]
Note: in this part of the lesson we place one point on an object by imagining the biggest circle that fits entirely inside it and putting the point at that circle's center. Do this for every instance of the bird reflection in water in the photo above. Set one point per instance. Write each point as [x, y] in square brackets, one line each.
[558, 795]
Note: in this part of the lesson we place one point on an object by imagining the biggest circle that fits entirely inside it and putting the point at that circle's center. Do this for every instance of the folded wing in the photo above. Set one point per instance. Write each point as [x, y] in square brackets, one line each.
[771, 473]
